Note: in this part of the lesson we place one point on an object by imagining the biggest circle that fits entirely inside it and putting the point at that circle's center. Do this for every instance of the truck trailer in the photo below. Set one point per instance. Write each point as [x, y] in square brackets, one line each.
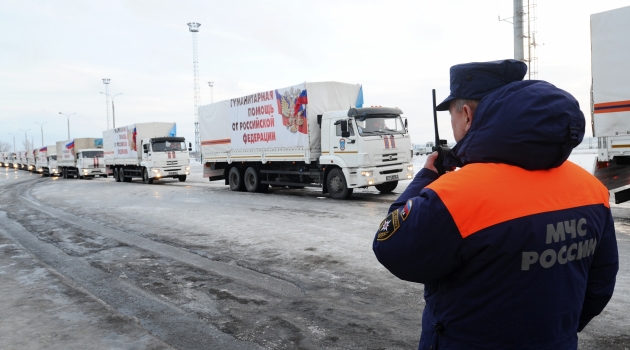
[150, 151]
[306, 135]
[80, 158]
[610, 97]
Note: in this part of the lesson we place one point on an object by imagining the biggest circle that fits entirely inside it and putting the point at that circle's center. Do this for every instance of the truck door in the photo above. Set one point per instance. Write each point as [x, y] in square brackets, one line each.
[345, 146]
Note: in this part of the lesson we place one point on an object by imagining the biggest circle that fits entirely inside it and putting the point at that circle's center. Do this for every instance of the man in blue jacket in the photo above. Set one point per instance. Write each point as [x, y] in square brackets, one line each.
[517, 248]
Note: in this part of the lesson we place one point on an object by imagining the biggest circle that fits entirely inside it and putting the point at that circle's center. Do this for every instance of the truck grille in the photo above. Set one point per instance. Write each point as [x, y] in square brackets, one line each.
[392, 157]
[171, 162]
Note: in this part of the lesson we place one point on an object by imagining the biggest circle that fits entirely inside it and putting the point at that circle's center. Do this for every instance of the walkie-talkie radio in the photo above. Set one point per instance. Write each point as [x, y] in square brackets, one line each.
[441, 146]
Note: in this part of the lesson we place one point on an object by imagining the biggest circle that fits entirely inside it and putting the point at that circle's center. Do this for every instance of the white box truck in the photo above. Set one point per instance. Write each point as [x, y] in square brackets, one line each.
[150, 151]
[3, 159]
[80, 158]
[26, 160]
[306, 135]
[610, 97]
[11, 160]
[46, 161]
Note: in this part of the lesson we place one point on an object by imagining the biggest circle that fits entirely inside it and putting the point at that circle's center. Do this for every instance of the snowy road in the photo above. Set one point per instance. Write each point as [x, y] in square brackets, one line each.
[195, 266]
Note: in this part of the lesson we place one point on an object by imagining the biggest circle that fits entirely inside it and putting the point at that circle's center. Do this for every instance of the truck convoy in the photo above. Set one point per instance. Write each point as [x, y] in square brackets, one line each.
[80, 157]
[610, 97]
[306, 135]
[146, 150]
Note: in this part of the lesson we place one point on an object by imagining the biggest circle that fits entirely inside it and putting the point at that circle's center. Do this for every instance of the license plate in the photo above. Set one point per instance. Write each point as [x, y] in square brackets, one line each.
[391, 177]
[173, 173]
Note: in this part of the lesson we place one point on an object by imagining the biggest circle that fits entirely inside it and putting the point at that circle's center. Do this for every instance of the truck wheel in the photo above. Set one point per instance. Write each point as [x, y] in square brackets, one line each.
[387, 187]
[235, 179]
[252, 181]
[337, 186]
[145, 177]
[181, 178]
[116, 177]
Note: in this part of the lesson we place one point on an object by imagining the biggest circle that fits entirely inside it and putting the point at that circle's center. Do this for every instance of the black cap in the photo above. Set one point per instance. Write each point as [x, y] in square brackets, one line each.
[473, 81]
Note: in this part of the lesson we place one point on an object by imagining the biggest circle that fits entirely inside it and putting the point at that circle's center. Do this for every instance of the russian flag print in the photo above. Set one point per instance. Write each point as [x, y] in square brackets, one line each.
[70, 145]
[300, 102]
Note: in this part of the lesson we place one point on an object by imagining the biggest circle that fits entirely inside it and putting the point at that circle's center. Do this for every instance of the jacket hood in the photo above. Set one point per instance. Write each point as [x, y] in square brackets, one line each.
[531, 124]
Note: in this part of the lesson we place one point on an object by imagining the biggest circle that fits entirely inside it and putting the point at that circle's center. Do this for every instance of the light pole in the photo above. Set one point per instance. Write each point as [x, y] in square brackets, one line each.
[42, 126]
[68, 116]
[211, 84]
[25, 138]
[13, 133]
[106, 82]
[113, 111]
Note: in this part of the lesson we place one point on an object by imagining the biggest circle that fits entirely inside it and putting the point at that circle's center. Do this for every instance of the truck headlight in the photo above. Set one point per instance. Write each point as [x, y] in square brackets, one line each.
[370, 182]
[409, 176]
[409, 168]
[187, 168]
[85, 171]
[156, 170]
[366, 173]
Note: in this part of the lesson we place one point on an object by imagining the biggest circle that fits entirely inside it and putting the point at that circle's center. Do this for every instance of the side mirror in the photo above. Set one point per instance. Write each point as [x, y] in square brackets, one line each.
[405, 123]
[190, 145]
[189, 149]
[146, 150]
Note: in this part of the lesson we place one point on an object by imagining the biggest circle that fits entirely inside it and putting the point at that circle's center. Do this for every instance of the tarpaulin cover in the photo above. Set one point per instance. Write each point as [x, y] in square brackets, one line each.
[610, 54]
[274, 119]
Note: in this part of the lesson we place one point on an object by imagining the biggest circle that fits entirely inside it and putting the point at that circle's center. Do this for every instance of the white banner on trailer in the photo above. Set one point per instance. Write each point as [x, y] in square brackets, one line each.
[269, 119]
[275, 119]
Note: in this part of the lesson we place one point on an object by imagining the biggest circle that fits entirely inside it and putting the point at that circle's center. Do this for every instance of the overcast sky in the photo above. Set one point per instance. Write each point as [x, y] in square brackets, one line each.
[54, 54]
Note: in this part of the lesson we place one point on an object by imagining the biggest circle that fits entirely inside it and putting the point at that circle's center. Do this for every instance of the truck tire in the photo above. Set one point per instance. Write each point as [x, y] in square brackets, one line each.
[181, 178]
[235, 179]
[145, 177]
[252, 183]
[337, 185]
[116, 177]
[387, 187]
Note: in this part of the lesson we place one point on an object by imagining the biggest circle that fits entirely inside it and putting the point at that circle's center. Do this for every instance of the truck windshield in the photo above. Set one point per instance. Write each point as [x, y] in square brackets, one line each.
[92, 154]
[54, 157]
[165, 146]
[380, 126]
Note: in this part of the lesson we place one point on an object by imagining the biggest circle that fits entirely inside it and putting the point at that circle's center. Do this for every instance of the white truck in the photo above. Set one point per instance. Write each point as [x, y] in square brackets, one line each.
[306, 135]
[610, 97]
[420, 149]
[10, 160]
[3, 159]
[26, 160]
[150, 151]
[46, 161]
[80, 157]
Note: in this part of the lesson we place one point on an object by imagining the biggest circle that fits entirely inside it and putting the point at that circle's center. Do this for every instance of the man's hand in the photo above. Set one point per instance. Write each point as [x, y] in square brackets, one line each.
[430, 160]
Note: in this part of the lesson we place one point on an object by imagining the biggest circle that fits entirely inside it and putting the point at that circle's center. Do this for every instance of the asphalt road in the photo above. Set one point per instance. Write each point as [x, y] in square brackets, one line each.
[99, 264]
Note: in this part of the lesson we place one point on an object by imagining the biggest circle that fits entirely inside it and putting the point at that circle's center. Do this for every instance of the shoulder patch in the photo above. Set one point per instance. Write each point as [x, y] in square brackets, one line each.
[388, 226]
[406, 210]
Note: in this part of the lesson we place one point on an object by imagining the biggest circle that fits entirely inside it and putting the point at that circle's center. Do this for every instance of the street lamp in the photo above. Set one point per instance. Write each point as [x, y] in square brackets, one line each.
[68, 116]
[106, 82]
[25, 138]
[113, 111]
[211, 84]
[42, 126]
[13, 133]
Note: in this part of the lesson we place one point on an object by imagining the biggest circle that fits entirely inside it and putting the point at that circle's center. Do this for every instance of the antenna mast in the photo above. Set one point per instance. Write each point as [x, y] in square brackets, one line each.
[193, 27]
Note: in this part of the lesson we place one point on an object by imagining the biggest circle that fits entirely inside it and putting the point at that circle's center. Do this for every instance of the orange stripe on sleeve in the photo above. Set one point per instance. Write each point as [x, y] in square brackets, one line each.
[481, 195]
